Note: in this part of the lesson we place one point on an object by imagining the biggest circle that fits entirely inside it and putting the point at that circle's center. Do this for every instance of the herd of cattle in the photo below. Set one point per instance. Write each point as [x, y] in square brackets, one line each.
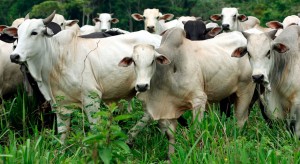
[171, 66]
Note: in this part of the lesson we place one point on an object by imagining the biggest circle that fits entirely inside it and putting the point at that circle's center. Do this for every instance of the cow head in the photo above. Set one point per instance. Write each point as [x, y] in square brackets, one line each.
[259, 49]
[105, 20]
[30, 33]
[144, 58]
[151, 18]
[230, 18]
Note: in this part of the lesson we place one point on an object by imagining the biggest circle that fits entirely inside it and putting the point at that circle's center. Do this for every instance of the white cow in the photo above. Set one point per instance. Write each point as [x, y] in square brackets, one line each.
[153, 20]
[276, 64]
[233, 21]
[74, 68]
[102, 23]
[190, 77]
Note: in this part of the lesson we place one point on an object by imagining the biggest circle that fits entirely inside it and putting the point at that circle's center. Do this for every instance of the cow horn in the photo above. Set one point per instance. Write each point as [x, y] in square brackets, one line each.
[27, 16]
[49, 18]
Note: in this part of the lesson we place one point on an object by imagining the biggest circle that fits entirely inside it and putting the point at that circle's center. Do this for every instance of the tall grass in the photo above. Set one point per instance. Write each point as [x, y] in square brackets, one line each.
[213, 140]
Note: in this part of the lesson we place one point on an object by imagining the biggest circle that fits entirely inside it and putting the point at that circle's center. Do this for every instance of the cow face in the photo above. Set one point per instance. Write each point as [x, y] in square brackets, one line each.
[105, 20]
[31, 33]
[259, 50]
[60, 20]
[151, 19]
[144, 58]
[230, 18]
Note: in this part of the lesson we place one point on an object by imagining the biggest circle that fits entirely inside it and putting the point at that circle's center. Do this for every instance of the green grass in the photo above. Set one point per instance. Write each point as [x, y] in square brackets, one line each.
[214, 140]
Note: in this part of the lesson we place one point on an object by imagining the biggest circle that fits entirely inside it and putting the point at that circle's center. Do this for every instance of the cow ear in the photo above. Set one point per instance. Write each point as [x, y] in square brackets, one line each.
[166, 17]
[2, 27]
[114, 20]
[242, 17]
[280, 48]
[95, 20]
[239, 52]
[161, 59]
[274, 25]
[215, 17]
[137, 17]
[9, 35]
[125, 62]
[214, 31]
[71, 22]
[11, 31]
[272, 34]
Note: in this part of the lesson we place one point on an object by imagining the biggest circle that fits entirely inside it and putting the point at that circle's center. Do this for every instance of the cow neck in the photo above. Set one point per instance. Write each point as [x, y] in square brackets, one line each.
[37, 67]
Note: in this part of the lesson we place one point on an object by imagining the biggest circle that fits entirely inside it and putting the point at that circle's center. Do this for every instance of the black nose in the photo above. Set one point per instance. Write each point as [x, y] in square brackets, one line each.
[225, 26]
[14, 58]
[258, 78]
[150, 29]
[142, 87]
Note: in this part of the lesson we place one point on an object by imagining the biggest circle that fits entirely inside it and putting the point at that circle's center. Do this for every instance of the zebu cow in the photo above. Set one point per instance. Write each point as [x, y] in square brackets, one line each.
[233, 21]
[276, 65]
[190, 77]
[102, 23]
[153, 20]
[74, 68]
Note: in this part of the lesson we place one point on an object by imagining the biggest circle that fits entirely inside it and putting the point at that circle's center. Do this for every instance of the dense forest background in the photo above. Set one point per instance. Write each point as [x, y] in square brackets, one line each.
[86, 10]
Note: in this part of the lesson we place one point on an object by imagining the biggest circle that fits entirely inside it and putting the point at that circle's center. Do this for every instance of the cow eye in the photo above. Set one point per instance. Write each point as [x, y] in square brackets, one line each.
[222, 16]
[234, 15]
[34, 33]
[157, 17]
[61, 24]
[144, 17]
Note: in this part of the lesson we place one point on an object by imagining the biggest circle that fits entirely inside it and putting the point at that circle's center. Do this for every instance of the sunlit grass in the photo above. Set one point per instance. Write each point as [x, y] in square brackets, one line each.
[213, 140]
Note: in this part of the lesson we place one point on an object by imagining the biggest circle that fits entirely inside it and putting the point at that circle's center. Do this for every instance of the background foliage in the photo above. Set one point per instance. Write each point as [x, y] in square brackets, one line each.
[86, 10]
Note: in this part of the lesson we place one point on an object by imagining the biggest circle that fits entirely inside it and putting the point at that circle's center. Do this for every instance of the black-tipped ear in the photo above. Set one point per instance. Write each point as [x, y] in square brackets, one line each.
[239, 52]
[125, 62]
[280, 47]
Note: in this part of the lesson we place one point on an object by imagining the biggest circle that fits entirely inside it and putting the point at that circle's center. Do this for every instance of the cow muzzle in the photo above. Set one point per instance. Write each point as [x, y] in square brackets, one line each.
[15, 58]
[141, 87]
[225, 27]
[150, 29]
[258, 78]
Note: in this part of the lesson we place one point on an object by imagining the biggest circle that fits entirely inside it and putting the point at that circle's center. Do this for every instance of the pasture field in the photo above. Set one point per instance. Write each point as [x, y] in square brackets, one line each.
[214, 140]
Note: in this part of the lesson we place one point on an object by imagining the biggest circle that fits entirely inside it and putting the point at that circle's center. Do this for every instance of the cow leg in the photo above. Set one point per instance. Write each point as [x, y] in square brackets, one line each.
[63, 125]
[198, 110]
[242, 104]
[225, 107]
[91, 106]
[295, 119]
[169, 127]
[133, 132]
